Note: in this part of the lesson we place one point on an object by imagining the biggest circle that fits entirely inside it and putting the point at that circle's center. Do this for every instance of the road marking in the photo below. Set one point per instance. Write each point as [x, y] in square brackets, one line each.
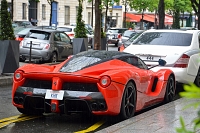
[92, 128]
[7, 121]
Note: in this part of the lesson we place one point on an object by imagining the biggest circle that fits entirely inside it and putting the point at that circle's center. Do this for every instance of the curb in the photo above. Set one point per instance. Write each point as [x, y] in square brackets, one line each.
[6, 80]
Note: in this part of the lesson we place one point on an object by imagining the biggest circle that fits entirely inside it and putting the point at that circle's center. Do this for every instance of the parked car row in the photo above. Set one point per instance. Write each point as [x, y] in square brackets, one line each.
[179, 48]
[48, 43]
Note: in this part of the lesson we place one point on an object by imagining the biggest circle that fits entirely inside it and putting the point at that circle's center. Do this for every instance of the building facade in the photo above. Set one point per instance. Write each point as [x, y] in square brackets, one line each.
[64, 12]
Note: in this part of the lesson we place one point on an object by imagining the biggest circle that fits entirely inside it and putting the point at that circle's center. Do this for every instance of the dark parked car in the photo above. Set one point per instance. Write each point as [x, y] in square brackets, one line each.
[47, 45]
[123, 45]
[114, 35]
[20, 35]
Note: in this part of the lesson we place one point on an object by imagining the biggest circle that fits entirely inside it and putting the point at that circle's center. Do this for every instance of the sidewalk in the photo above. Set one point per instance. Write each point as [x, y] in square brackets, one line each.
[163, 119]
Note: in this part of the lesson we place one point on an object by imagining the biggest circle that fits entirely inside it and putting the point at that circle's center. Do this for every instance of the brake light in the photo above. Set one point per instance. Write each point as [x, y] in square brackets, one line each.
[70, 35]
[47, 46]
[182, 62]
[121, 48]
[105, 81]
[19, 38]
[21, 43]
[118, 36]
[18, 75]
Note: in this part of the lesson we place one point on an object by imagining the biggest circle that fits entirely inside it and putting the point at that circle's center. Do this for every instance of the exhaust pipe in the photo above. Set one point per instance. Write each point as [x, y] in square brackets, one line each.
[102, 106]
[16, 100]
[94, 106]
[21, 100]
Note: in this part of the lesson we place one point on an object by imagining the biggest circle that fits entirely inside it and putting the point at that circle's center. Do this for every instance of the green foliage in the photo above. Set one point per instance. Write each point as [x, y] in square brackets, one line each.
[191, 92]
[80, 31]
[7, 32]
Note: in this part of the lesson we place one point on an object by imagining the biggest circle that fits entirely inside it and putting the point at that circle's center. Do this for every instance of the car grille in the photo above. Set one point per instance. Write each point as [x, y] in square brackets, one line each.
[71, 86]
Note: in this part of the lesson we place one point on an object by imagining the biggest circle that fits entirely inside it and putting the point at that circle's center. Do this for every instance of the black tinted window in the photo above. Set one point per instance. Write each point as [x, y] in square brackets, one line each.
[164, 38]
[88, 58]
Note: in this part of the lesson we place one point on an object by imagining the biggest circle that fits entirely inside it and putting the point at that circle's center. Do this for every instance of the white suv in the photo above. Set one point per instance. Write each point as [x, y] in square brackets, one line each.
[179, 48]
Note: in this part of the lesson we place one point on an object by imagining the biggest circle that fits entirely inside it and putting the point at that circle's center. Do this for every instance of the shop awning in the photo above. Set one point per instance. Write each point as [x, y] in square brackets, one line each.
[132, 17]
[147, 17]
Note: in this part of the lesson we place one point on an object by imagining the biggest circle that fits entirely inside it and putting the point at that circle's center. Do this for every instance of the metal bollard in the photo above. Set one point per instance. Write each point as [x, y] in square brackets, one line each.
[30, 51]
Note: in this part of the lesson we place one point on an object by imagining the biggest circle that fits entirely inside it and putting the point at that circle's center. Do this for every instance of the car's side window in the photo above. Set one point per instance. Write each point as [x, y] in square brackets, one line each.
[135, 61]
[57, 37]
[64, 38]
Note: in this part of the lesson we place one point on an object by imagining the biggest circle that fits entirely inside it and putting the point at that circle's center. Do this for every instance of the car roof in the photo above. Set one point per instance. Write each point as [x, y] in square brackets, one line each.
[173, 30]
[46, 30]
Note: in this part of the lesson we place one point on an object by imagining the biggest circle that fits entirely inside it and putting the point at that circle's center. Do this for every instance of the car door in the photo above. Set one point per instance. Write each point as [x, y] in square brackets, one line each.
[60, 45]
[67, 45]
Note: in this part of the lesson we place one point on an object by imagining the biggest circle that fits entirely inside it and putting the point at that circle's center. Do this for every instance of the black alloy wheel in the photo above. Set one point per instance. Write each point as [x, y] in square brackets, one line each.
[128, 104]
[54, 57]
[170, 90]
[197, 79]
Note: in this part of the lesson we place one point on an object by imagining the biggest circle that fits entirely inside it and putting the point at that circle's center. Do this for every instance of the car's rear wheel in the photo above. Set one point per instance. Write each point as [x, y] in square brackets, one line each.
[128, 104]
[197, 79]
[54, 57]
[170, 90]
[30, 111]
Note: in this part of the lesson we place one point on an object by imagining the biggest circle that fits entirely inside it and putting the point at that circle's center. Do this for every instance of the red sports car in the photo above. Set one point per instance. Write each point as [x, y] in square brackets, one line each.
[98, 82]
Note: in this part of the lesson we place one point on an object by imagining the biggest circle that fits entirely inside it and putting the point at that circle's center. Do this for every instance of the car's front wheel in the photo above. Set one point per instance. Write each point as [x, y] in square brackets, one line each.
[128, 104]
[170, 90]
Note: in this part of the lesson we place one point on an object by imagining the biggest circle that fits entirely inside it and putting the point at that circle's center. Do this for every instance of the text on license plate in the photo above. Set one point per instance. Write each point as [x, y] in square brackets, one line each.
[56, 95]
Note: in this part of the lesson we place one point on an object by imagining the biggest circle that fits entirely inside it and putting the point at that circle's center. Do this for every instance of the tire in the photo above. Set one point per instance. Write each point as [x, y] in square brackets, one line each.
[54, 57]
[197, 79]
[170, 90]
[22, 60]
[128, 104]
[30, 112]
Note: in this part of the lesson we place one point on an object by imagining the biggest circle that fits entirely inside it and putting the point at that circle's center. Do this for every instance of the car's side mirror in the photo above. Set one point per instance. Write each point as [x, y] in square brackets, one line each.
[162, 62]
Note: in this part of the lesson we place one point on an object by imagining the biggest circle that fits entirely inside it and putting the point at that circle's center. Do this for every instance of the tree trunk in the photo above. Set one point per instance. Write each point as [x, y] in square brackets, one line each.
[198, 15]
[161, 14]
[105, 27]
[97, 32]
[50, 14]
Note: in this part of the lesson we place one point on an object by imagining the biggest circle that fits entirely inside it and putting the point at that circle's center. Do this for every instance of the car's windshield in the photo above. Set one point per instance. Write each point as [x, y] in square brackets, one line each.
[164, 38]
[135, 36]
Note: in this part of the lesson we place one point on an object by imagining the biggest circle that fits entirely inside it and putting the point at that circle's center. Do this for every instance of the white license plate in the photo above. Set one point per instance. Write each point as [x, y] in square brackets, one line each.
[56, 95]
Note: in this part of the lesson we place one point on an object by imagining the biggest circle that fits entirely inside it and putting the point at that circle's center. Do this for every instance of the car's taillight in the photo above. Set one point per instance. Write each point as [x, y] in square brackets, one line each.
[70, 35]
[182, 61]
[47, 46]
[21, 43]
[19, 38]
[105, 81]
[121, 48]
[118, 36]
[18, 75]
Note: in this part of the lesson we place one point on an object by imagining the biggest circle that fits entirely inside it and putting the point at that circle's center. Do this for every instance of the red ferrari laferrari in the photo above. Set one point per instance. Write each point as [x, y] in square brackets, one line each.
[98, 82]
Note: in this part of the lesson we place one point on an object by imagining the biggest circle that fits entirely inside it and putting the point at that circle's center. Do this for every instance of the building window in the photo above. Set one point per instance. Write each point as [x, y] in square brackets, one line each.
[43, 11]
[89, 17]
[67, 15]
[117, 18]
[24, 10]
[76, 12]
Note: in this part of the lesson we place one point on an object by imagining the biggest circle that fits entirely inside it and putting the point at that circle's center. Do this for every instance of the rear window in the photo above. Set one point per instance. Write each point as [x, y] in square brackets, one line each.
[88, 58]
[65, 29]
[42, 35]
[116, 30]
[164, 38]
[129, 33]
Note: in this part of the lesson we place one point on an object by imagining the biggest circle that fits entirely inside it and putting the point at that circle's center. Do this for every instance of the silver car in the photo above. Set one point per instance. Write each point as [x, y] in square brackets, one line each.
[46, 45]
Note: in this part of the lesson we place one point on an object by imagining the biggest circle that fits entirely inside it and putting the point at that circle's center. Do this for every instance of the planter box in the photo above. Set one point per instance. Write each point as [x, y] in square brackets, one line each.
[9, 56]
[79, 45]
